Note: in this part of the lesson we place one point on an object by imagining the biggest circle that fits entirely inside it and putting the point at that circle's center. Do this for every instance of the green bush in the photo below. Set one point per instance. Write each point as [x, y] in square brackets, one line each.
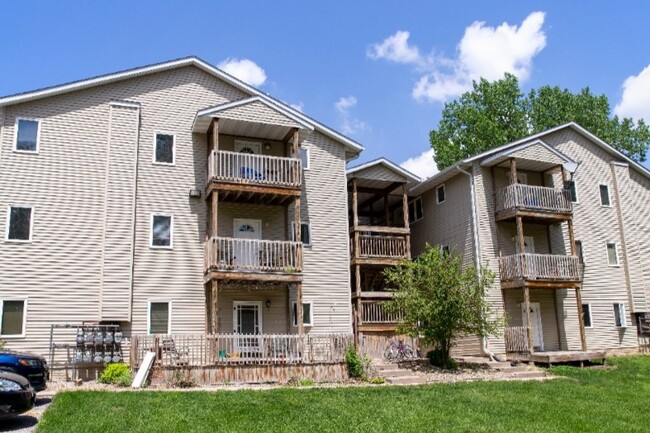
[183, 378]
[376, 380]
[116, 374]
[358, 365]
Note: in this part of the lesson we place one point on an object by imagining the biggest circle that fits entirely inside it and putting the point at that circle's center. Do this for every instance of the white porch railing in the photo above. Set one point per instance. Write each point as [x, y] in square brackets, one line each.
[372, 312]
[380, 246]
[253, 169]
[516, 339]
[536, 198]
[253, 255]
[550, 267]
[199, 350]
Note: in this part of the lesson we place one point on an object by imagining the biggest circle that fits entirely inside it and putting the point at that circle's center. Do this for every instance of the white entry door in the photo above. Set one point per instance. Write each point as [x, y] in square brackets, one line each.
[536, 321]
[246, 252]
[247, 323]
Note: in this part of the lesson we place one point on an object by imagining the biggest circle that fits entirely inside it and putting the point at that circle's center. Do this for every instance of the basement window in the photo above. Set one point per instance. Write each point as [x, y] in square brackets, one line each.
[12, 317]
[619, 315]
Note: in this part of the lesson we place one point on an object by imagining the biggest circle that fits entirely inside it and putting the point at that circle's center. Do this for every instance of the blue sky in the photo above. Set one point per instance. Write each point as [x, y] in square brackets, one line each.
[378, 71]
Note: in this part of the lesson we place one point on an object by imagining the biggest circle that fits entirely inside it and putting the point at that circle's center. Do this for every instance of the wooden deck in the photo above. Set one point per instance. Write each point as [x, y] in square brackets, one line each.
[559, 357]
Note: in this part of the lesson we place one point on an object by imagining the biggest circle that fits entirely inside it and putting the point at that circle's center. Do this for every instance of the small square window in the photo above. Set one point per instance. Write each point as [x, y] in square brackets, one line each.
[441, 194]
[303, 154]
[619, 315]
[27, 135]
[586, 315]
[19, 223]
[164, 150]
[307, 317]
[12, 318]
[415, 210]
[305, 232]
[159, 318]
[604, 195]
[161, 231]
[612, 254]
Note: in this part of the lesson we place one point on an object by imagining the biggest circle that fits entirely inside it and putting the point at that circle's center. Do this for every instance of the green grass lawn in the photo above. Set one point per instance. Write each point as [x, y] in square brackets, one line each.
[587, 400]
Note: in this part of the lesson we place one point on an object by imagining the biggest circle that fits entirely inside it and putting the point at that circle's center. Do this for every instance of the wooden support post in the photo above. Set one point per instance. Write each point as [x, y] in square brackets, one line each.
[215, 135]
[357, 303]
[583, 336]
[355, 204]
[513, 171]
[529, 322]
[520, 235]
[296, 219]
[386, 211]
[405, 206]
[299, 307]
[215, 307]
[214, 218]
[295, 153]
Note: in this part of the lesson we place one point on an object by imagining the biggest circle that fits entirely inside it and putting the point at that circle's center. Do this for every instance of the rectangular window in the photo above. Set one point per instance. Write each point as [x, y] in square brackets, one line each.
[441, 194]
[307, 317]
[305, 232]
[586, 315]
[12, 318]
[604, 195]
[159, 318]
[570, 185]
[27, 135]
[619, 315]
[612, 254]
[444, 250]
[303, 154]
[19, 223]
[164, 148]
[415, 210]
[580, 253]
[162, 229]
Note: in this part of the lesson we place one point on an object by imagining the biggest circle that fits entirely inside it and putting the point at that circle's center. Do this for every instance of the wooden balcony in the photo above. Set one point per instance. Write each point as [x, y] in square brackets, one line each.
[374, 317]
[540, 270]
[534, 202]
[253, 178]
[379, 245]
[252, 259]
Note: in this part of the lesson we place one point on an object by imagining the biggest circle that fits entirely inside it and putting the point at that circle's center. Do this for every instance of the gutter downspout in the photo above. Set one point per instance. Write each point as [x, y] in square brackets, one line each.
[477, 246]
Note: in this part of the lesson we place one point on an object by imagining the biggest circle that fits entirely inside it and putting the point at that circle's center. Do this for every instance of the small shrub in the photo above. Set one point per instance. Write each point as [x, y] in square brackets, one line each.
[376, 380]
[306, 382]
[437, 358]
[183, 378]
[358, 365]
[116, 374]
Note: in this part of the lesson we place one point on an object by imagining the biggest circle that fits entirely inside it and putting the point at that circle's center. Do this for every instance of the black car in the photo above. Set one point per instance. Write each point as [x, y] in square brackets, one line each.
[32, 367]
[16, 395]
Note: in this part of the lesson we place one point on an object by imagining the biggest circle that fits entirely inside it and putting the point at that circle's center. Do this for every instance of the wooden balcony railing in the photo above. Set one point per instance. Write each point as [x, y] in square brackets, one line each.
[380, 246]
[372, 312]
[549, 267]
[262, 170]
[232, 254]
[516, 339]
[534, 198]
[240, 349]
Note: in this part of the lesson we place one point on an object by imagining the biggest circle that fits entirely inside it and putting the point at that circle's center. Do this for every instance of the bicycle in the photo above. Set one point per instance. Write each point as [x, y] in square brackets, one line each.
[398, 351]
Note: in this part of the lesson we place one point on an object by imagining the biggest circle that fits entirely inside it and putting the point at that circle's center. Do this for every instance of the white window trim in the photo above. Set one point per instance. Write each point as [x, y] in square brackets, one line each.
[169, 314]
[414, 208]
[294, 324]
[31, 224]
[591, 317]
[171, 232]
[575, 186]
[584, 256]
[609, 195]
[622, 313]
[437, 196]
[24, 300]
[38, 136]
[293, 231]
[308, 157]
[155, 135]
[618, 258]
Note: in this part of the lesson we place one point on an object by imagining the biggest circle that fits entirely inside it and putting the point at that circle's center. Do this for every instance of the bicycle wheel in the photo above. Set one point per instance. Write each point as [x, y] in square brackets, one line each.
[408, 352]
[390, 353]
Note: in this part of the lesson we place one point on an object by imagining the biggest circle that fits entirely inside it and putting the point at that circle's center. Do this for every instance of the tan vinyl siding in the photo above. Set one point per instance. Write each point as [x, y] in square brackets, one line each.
[537, 152]
[638, 204]
[278, 148]
[508, 234]
[117, 260]
[546, 300]
[275, 320]
[274, 226]
[379, 172]
[259, 113]
[326, 280]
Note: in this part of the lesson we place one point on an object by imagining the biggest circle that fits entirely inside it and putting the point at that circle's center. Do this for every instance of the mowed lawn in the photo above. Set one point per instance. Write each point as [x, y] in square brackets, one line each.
[584, 400]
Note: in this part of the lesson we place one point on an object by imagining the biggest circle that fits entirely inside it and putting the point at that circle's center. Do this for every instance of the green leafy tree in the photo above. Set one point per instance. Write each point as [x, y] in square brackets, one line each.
[496, 113]
[440, 300]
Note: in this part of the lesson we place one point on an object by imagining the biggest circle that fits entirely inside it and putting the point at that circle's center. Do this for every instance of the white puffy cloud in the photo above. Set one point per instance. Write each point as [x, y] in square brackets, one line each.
[246, 70]
[349, 124]
[483, 52]
[423, 165]
[635, 101]
[396, 49]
